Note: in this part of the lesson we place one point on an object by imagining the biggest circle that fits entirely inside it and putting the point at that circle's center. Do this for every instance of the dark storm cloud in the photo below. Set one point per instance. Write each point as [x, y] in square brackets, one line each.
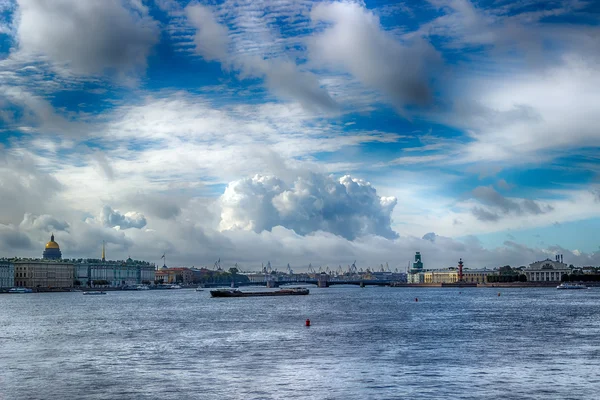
[24, 187]
[484, 215]
[11, 239]
[158, 205]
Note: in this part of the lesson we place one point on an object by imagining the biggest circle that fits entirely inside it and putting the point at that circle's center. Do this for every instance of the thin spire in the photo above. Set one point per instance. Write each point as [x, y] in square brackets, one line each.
[103, 251]
[52, 237]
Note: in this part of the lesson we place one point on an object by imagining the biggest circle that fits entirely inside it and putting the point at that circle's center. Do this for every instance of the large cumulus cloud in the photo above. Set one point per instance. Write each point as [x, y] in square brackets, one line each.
[347, 207]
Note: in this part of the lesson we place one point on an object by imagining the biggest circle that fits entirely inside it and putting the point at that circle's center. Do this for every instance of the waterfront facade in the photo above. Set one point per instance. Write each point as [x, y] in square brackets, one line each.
[7, 274]
[114, 273]
[476, 275]
[175, 275]
[416, 277]
[547, 270]
[441, 276]
[43, 274]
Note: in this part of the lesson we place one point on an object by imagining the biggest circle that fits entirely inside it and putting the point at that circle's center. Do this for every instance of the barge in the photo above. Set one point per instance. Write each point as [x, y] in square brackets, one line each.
[239, 293]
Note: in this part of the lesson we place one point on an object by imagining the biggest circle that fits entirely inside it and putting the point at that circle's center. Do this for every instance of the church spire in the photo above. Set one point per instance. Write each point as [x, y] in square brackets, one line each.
[103, 251]
[52, 237]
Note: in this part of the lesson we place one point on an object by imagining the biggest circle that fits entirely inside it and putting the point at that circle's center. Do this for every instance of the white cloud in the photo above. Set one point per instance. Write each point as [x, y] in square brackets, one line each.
[281, 75]
[114, 219]
[211, 38]
[356, 43]
[91, 37]
[42, 223]
[532, 116]
[348, 207]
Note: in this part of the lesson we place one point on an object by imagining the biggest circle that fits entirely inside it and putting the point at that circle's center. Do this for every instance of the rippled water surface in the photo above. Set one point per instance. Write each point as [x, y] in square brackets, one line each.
[371, 343]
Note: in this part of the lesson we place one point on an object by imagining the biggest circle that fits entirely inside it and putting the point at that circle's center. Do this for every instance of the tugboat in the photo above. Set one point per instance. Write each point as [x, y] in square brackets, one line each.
[567, 285]
[239, 293]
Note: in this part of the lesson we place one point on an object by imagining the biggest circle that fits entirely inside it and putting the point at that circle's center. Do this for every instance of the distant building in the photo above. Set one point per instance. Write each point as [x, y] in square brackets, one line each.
[476, 275]
[175, 275]
[441, 276]
[416, 275]
[114, 273]
[418, 264]
[7, 274]
[43, 274]
[389, 276]
[52, 250]
[201, 274]
[547, 270]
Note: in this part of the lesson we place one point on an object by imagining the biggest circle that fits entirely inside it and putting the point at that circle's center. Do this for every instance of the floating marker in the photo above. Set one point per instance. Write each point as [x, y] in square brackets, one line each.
[307, 322]
[416, 299]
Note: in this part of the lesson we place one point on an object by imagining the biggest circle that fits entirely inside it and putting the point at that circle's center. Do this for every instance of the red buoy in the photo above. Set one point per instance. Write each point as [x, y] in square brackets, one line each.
[307, 322]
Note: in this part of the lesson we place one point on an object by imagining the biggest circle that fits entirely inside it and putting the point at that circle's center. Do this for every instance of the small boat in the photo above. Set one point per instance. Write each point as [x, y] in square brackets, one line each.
[175, 287]
[567, 285]
[20, 290]
[239, 293]
[94, 293]
[199, 289]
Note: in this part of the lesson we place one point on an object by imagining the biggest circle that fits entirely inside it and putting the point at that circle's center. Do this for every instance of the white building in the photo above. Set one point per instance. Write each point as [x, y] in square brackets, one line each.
[415, 277]
[7, 274]
[116, 273]
[547, 270]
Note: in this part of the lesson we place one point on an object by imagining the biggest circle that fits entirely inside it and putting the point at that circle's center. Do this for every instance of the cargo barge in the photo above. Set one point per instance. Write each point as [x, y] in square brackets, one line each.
[239, 293]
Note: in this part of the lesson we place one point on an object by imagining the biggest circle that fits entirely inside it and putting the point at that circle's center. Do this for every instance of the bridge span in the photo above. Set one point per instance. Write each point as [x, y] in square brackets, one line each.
[317, 282]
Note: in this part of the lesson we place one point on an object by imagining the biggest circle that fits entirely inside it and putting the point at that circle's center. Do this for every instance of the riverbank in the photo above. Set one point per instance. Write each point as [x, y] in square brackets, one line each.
[480, 285]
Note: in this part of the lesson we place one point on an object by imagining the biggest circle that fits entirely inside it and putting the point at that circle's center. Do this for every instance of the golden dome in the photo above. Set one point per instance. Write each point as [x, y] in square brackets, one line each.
[52, 244]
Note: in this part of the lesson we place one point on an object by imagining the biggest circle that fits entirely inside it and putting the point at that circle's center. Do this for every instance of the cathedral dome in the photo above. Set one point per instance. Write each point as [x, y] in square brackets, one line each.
[52, 251]
[52, 244]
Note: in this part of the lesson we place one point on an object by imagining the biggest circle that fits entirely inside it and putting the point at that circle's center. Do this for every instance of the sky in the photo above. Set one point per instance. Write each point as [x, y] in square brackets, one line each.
[301, 132]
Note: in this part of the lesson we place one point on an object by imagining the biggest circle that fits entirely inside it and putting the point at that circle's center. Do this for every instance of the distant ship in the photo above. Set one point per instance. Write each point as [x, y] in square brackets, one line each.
[566, 285]
[94, 293]
[239, 293]
[20, 290]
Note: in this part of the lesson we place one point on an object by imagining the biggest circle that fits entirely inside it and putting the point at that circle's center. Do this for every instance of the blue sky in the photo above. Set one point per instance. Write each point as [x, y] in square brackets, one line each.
[301, 132]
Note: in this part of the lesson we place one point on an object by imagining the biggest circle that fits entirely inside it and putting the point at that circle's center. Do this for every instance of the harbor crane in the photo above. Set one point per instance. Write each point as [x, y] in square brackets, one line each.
[352, 268]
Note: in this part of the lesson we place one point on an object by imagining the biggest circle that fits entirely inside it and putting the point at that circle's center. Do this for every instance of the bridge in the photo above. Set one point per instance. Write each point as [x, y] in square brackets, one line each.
[310, 281]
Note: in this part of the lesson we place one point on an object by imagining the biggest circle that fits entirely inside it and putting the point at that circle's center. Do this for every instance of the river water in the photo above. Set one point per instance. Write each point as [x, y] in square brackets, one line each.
[369, 343]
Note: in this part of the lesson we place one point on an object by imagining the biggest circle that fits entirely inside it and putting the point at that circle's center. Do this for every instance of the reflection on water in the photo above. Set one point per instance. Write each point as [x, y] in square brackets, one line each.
[372, 343]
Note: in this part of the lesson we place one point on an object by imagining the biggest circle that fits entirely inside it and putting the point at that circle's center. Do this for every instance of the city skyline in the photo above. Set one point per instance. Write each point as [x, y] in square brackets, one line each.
[312, 132]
